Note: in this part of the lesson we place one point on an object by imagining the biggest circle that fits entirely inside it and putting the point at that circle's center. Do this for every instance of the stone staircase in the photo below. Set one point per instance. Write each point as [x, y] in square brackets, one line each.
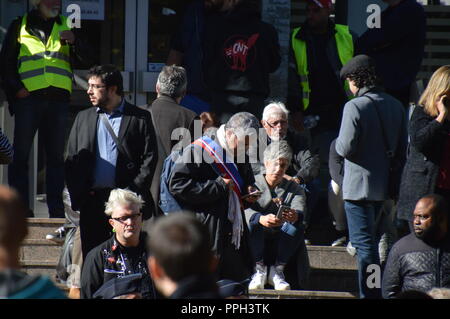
[38, 255]
[333, 271]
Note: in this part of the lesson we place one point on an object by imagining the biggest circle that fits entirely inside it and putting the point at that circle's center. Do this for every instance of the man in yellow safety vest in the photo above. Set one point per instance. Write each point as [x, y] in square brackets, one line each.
[316, 93]
[36, 72]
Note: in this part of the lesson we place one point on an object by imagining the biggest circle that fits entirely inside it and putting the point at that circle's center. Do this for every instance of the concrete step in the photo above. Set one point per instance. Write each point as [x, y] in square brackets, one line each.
[299, 294]
[39, 267]
[40, 249]
[38, 228]
[327, 257]
[333, 280]
[332, 268]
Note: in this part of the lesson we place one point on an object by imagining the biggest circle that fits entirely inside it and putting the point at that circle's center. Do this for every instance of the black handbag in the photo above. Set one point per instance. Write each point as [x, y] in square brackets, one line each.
[395, 161]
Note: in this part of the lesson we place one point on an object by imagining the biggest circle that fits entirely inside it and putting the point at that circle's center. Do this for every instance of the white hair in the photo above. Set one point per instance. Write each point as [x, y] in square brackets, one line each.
[122, 197]
[274, 108]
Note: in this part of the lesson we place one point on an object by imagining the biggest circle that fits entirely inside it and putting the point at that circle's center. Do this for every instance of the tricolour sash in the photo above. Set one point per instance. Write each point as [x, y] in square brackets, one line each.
[221, 165]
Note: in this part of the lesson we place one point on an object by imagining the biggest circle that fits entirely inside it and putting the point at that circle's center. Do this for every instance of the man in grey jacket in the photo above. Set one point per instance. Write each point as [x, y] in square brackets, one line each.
[366, 166]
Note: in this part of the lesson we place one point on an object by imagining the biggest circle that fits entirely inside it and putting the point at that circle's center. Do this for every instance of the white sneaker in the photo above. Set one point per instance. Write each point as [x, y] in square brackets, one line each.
[276, 278]
[350, 249]
[259, 278]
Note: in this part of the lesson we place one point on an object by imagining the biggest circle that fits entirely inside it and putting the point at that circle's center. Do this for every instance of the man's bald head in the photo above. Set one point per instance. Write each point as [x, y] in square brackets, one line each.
[13, 225]
[430, 217]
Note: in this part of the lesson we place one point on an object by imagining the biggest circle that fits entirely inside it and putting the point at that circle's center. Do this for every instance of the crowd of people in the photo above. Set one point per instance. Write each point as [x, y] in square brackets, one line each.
[209, 191]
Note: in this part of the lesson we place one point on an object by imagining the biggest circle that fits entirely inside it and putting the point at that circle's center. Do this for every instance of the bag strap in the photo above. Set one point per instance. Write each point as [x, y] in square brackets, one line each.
[122, 150]
[389, 152]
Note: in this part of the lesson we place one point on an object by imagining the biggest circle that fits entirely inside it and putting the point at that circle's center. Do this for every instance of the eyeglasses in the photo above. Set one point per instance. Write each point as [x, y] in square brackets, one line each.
[95, 86]
[123, 219]
[276, 123]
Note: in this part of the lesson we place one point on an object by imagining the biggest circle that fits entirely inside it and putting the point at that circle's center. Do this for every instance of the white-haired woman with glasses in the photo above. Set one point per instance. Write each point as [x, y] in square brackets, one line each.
[117, 268]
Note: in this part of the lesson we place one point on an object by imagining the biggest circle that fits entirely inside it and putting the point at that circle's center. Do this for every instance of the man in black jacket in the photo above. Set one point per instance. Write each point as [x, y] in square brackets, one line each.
[200, 183]
[174, 124]
[111, 145]
[319, 49]
[421, 261]
[36, 65]
[240, 52]
[397, 46]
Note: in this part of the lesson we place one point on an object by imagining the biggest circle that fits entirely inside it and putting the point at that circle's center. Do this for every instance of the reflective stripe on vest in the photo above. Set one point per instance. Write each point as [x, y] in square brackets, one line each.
[344, 43]
[43, 65]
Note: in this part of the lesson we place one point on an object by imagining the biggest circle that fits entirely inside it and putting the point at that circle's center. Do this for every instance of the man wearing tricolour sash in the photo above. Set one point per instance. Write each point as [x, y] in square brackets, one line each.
[210, 179]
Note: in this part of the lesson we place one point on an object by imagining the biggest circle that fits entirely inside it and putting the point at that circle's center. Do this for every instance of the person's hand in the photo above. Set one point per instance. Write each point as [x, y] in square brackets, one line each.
[442, 108]
[22, 93]
[270, 221]
[290, 216]
[67, 36]
[253, 198]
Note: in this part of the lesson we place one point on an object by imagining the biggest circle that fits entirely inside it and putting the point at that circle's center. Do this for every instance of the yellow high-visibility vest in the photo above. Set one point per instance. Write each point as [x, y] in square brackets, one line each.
[43, 65]
[345, 48]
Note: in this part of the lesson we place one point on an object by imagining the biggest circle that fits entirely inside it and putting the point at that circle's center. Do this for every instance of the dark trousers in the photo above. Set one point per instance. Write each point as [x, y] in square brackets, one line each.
[286, 244]
[31, 114]
[94, 225]
[312, 190]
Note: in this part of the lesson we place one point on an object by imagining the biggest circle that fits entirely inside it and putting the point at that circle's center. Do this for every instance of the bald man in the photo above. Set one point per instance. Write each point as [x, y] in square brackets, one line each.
[421, 260]
[13, 229]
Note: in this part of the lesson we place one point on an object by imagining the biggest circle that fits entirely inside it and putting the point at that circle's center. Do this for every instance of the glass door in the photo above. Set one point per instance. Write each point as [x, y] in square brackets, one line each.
[117, 32]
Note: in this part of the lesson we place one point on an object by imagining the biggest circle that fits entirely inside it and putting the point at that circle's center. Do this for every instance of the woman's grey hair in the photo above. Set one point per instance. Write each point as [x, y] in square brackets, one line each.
[243, 124]
[172, 81]
[277, 150]
[123, 197]
[273, 108]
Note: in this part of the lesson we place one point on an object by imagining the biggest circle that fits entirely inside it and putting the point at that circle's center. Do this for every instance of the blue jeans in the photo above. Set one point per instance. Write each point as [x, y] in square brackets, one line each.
[50, 118]
[286, 244]
[361, 217]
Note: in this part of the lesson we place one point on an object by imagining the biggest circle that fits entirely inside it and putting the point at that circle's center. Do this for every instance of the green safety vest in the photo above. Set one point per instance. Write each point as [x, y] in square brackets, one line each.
[344, 42]
[43, 65]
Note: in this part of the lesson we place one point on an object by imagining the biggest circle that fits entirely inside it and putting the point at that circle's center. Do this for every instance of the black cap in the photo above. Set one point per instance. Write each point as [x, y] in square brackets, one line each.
[358, 62]
[119, 286]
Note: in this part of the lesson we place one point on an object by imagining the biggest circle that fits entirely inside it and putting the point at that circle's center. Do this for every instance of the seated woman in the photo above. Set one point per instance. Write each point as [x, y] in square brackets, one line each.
[118, 267]
[288, 230]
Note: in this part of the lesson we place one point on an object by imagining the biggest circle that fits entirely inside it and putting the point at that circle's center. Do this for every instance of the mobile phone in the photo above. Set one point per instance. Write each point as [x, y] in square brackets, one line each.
[282, 209]
[256, 193]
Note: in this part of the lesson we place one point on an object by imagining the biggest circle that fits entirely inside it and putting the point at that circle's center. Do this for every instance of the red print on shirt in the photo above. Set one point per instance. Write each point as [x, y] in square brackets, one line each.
[240, 51]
